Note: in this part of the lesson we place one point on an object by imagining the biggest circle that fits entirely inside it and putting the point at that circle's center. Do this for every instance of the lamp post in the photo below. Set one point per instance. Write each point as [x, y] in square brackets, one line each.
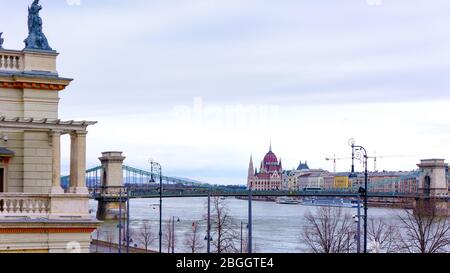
[357, 219]
[173, 233]
[357, 152]
[242, 245]
[242, 235]
[128, 220]
[157, 167]
[208, 232]
[250, 224]
[120, 221]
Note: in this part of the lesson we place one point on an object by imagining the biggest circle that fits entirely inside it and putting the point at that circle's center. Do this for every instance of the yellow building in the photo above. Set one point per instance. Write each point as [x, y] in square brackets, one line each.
[342, 182]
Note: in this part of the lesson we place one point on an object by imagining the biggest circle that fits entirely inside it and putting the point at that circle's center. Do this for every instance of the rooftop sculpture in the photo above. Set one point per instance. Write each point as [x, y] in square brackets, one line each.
[36, 38]
[1, 40]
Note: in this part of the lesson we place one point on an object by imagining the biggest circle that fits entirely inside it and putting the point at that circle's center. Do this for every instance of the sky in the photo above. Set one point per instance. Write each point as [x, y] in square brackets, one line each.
[200, 85]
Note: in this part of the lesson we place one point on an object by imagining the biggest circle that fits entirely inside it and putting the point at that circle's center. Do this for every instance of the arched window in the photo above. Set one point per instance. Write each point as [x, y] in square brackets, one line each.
[427, 185]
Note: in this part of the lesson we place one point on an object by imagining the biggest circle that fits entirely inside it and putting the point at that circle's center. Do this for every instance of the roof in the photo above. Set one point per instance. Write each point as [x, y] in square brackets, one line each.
[6, 152]
[303, 166]
[270, 158]
[45, 124]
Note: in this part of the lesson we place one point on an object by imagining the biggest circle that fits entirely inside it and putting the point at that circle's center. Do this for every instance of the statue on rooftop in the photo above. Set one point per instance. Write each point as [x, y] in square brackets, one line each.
[36, 38]
[1, 40]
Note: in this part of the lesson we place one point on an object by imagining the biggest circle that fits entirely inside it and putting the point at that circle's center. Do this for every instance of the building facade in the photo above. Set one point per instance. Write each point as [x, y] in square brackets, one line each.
[36, 214]
[269, 177]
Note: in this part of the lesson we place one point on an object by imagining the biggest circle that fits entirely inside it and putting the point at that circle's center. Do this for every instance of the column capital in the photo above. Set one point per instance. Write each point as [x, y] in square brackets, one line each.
[78, 133]
[56, 132]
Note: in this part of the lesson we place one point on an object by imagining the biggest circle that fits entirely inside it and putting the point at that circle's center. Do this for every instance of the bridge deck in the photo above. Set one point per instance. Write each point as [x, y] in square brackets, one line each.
[177, 194]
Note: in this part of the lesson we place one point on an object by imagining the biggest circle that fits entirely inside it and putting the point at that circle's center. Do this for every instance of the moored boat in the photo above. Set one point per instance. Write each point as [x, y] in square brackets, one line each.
[330, 203]
[287, 201]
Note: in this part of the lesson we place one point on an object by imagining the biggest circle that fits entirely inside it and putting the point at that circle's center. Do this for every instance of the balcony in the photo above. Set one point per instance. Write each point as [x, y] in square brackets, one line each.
[11, 60]
[15, 61]
[68, 206]
[13, 205]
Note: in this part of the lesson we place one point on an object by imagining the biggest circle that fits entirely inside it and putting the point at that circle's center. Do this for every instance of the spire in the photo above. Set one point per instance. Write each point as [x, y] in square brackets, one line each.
[1, 40]
[250, 166]
[270, 148]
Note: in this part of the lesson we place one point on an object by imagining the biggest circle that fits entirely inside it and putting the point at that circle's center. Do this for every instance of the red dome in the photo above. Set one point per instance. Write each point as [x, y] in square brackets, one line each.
[270, 163]
[270, 159]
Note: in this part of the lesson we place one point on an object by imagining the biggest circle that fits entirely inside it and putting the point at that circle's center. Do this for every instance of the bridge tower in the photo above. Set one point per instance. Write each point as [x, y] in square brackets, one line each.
[433, 188]
[112, 176]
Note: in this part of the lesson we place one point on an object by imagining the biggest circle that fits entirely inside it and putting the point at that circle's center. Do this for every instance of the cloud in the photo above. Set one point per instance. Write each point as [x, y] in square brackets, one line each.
[335, 69]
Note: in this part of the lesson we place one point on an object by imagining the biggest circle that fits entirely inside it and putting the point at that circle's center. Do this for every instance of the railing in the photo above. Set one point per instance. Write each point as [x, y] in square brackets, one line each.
[10, 61]
[21, 204]
[131, 176]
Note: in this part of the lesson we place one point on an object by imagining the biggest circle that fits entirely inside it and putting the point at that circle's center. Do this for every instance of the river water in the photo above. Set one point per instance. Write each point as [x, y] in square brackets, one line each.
[276, 227]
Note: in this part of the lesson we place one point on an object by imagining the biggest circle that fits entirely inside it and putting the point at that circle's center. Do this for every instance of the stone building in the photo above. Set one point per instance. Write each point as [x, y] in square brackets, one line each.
[36, 215]
[269, 176]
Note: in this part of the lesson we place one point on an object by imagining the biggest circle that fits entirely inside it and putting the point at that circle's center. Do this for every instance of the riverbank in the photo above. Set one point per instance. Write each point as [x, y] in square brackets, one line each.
[276, 227]
[99, 246]
[373, 203]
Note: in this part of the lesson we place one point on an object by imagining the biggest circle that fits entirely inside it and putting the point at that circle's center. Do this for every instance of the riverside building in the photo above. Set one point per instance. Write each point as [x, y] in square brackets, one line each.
[269, 177]
[36, 214]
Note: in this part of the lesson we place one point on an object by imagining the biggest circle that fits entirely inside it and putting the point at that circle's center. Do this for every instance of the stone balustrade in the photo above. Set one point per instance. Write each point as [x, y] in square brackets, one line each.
[28, 61]
[21, 204]
[10, 61]
[44, 206]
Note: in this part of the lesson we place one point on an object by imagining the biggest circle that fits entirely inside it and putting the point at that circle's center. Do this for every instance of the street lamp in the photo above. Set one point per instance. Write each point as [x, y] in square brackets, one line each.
[358, 152]
[173, 233]
[209, 241]
[242, 235]
[250, 219]
[208, 228]
[357, 219]
[157, 167]
[120, 220]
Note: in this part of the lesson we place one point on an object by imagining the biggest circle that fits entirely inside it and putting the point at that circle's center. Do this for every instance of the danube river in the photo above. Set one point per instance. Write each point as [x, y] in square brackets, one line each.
[276, 227]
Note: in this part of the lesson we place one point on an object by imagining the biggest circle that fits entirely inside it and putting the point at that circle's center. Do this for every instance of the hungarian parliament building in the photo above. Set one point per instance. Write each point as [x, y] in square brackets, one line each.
[272, 177]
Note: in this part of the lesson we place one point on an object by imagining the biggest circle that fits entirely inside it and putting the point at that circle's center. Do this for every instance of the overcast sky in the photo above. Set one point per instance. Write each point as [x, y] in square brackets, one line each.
[199, 85]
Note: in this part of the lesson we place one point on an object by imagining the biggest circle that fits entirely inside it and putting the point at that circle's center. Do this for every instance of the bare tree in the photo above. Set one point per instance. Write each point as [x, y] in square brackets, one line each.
[169, 239]
[329, 230]
[423, 230]
[193, 240]
[224, 229]
[145, 235]
[382, 236]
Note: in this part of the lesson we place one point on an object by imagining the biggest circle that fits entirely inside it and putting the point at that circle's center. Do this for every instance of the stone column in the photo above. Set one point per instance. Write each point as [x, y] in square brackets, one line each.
[73, 162]
[81, 160]
[78, 162]
[56, 160]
